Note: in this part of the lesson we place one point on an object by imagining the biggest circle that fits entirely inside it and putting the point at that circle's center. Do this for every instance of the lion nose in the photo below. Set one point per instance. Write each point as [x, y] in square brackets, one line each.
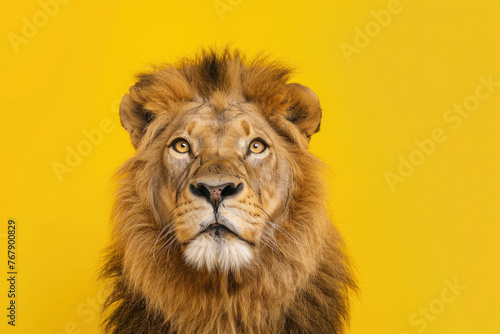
[216, 194]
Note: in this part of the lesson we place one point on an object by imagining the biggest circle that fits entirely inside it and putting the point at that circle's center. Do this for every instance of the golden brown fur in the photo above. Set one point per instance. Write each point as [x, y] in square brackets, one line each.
[297, 277]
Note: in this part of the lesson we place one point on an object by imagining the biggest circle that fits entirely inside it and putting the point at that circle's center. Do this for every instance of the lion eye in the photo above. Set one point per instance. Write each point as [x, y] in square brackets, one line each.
[181, 146]
[257, 146]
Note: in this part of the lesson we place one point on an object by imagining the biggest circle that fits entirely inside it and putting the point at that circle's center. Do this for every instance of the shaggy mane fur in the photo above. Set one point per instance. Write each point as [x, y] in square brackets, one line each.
[301, 286]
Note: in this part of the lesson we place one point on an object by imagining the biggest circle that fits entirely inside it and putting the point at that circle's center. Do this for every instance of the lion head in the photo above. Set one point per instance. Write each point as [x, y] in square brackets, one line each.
[220, 222]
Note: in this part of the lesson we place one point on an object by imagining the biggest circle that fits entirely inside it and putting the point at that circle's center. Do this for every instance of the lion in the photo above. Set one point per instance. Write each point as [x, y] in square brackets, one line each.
[221, 223]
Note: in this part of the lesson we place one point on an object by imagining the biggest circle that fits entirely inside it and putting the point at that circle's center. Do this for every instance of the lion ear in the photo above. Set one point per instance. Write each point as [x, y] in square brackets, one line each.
[134, 118]
[305, 110]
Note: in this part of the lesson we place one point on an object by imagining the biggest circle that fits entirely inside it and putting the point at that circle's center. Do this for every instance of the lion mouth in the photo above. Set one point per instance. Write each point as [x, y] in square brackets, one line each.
[219, 228]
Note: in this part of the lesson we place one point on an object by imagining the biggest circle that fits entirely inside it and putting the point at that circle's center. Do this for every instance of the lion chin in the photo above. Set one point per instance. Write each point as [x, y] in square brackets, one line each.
[220, 223]
[213, 250]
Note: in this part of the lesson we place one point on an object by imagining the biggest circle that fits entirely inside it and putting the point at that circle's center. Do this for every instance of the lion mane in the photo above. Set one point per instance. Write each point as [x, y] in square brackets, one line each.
[278, 265]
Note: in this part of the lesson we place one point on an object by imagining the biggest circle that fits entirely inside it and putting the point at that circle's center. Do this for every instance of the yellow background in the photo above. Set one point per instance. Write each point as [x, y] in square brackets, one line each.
[440, 224]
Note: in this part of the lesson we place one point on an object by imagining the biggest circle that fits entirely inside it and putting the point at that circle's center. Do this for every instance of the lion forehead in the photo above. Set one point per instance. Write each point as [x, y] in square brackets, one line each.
[210, 125]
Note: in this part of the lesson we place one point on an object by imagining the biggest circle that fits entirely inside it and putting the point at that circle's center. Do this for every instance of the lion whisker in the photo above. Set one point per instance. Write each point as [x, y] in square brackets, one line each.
[285, 233]
[279, 228]
[166, 231]
[268, 240]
